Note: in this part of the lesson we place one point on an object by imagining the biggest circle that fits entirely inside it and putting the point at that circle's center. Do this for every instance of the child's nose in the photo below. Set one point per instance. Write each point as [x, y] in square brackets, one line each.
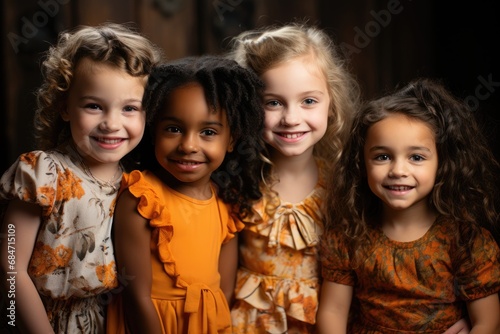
[398, 169]
[189, 144]
[291, 116]
[111, 122]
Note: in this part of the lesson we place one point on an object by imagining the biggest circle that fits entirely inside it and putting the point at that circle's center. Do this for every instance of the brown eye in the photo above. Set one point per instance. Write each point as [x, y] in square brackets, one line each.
[417, 157]
[209, 132]
[382, 157]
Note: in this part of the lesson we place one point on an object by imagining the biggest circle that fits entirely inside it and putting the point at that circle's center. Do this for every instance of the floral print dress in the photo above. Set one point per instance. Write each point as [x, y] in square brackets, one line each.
[277, 284]
[72, 265]
[412, 287]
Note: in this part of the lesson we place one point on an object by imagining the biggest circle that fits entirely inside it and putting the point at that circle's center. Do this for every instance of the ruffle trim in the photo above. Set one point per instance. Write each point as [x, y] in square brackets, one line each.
[212, 303]
[279, 298]
[151, 208]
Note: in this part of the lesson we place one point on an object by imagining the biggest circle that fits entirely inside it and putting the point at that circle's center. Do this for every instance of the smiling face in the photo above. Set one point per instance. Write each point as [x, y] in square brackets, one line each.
[191, 140]
[296, 103]
[401, 162]
[105, 113]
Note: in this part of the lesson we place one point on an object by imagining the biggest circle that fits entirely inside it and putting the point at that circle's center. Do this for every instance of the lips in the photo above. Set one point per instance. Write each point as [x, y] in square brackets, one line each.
[291, 135]
[399, 188]
[187, 163]
[109, 141]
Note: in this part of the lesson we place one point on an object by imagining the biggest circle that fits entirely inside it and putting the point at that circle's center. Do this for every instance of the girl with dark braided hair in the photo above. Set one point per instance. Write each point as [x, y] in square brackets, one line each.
[176, 220]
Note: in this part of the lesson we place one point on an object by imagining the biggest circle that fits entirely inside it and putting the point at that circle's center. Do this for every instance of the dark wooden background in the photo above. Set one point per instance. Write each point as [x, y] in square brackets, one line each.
[390, 42]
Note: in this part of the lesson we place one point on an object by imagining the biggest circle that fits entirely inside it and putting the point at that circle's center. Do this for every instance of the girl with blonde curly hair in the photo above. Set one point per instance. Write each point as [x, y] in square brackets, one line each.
[61, 197]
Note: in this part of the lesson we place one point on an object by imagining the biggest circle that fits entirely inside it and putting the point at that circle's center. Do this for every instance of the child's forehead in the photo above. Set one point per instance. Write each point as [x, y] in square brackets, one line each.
[399, 119]
[193, 90]
[88, 66]
[398, 127]
[309, 61]
[190, 97]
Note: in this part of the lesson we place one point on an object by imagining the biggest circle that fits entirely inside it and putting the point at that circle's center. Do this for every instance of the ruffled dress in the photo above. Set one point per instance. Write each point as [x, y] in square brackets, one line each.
[278, 283]
[72, 265]
[410, 287]
[186, 240]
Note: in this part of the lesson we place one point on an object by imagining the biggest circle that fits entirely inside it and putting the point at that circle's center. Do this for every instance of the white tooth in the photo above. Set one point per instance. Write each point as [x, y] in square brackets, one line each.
[109, 141]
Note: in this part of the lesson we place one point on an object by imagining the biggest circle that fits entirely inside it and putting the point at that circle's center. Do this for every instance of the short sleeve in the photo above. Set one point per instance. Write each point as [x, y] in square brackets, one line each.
[149, 205]
[335, 264]
[484, 280]
[232, 223]
[37, 178]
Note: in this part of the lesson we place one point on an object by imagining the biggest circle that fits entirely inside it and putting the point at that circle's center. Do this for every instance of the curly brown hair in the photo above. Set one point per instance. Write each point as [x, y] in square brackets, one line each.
[117, 45]
[465, 190]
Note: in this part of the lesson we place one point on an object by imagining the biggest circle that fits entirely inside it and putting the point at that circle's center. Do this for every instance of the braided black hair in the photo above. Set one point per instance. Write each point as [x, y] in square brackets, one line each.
[228, 87]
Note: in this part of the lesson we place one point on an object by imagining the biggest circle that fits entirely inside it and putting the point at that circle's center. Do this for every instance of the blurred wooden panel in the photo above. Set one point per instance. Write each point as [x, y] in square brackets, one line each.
[379, 37]
[173, 28]
[225, 19]
[285, 11]
[30, 27]
[93, 12]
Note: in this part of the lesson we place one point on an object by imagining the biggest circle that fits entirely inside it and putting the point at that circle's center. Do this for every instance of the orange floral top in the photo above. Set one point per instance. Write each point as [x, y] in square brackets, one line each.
[73, 255]
[278, 279]
[411, 287]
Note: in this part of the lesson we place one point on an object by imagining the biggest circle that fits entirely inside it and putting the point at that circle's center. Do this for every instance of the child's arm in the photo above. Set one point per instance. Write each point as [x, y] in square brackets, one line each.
[484, 314]
[228, 265]
[132, 236]
[334, 305]
[21, 222]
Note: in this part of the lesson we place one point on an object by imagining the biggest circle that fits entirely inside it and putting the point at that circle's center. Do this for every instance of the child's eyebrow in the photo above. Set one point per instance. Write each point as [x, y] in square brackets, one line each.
[213, 123]
[413, 148]
[98, 98]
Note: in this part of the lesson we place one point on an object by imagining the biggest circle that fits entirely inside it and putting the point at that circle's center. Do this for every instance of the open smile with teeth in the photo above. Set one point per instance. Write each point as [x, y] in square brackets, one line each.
[292, 135]
[108, 140]
[399, 188]
[187, 163]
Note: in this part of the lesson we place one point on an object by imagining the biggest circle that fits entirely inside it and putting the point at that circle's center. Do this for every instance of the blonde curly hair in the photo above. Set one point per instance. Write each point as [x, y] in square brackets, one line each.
[117, 45]
[268, 47]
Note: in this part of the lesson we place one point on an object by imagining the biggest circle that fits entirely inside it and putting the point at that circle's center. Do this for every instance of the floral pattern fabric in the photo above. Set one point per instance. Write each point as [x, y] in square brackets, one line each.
[186, 238]
[411, 287]
[72, 264]
[277, 284]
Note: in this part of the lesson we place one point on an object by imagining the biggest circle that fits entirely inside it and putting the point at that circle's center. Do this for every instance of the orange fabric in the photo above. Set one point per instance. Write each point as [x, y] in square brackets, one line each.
[278, 280]
[411, 287]
[185, 247]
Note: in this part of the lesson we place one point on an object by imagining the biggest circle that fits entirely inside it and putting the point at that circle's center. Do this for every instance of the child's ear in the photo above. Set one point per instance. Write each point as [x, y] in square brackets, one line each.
[65, 114]
[230, 146]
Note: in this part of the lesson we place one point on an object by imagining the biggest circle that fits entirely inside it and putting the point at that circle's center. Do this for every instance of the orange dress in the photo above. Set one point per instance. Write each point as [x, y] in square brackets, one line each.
[410, 287]
[186, 240]
[278, 284]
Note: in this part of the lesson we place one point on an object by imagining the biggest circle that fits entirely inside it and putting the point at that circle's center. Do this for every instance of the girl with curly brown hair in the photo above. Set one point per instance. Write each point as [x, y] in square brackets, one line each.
[412, 220]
